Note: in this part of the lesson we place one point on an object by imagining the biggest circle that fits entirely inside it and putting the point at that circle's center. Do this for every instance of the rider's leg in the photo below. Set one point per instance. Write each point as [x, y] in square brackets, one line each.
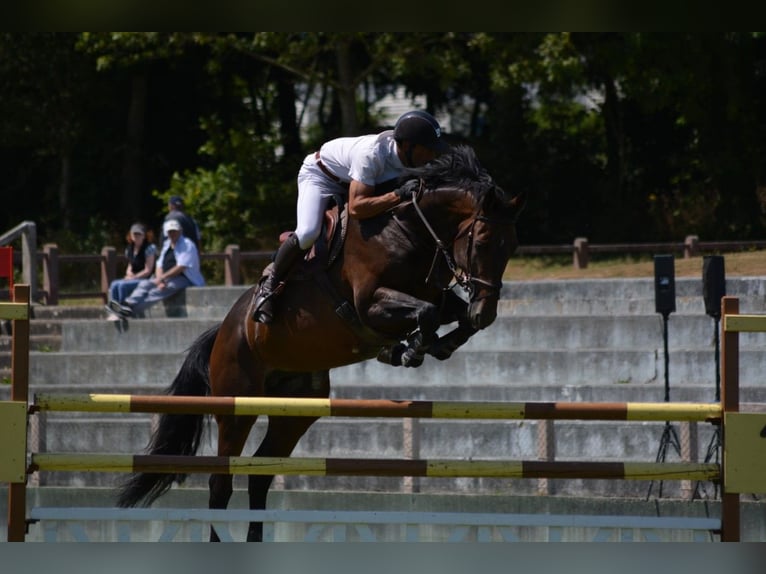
[314, 192]
[287, 256]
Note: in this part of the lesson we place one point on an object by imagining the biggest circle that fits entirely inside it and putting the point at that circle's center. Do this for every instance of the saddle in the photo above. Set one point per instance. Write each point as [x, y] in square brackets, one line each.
[323, 254]
[328, 245]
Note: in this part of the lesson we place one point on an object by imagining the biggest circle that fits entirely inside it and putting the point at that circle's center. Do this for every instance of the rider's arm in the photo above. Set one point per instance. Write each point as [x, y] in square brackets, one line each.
[364, 203]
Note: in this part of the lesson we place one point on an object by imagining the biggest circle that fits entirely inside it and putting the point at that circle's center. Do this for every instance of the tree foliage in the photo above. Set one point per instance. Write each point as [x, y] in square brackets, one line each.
[616, 136]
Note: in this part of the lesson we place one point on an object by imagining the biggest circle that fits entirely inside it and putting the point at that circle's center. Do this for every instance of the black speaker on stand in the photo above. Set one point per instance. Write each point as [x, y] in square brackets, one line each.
[665, 304]
[713, 290]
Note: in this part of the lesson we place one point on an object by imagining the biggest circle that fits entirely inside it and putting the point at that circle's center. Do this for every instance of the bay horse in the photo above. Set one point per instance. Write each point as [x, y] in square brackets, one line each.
[394, 281]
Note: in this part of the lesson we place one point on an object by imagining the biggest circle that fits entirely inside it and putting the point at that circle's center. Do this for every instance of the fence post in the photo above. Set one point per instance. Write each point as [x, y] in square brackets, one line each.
[546, 450]
[51, 273]
[231, 265]
[29, 258]
[108, 270]
[17, 491]
[691, 246]
[581, 253]
[730, 512]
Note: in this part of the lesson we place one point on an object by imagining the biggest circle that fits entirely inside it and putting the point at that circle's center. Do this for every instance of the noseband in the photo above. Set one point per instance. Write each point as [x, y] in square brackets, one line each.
[464, 279]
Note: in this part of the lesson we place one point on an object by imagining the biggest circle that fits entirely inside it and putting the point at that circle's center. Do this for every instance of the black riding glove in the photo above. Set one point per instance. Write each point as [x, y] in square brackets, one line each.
[407, 189]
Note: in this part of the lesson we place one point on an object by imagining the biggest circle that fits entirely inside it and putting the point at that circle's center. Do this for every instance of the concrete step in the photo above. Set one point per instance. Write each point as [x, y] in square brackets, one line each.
[150, 335]
[632, 296]
[556, 367]
[540, 367]
[506, 333]
[41, 342]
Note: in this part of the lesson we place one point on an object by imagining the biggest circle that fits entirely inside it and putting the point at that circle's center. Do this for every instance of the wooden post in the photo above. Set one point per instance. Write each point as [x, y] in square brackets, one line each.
[581, 255]
[17, 491]
[108, 270]
[546, 450]
[730, 511]
[51, 273]
[29, 258]
[231, 265]
[691, 246]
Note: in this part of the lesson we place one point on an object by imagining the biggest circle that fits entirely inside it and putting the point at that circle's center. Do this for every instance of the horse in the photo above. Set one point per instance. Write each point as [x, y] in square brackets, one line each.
[392, 282]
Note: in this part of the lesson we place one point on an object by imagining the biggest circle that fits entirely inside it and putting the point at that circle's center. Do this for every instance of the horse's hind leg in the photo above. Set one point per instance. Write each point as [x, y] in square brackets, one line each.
[282, 434]
[232, 435]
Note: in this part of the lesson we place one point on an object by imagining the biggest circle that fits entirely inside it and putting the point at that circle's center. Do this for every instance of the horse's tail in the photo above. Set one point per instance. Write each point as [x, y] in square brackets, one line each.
[175, 434]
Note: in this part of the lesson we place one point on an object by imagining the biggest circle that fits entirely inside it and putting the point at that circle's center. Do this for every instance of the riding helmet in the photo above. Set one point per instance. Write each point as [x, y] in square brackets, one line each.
[421, 128]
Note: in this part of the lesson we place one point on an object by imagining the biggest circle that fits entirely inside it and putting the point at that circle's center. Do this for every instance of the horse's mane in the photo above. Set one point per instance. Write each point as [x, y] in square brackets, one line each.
[461, 169]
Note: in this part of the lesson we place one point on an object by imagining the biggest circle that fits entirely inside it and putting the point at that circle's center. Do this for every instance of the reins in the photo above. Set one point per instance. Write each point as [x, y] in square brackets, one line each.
[464, 279]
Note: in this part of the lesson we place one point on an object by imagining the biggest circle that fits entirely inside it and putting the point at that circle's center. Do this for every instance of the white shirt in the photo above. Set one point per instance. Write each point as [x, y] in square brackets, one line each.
[187, 255]
[370, 159]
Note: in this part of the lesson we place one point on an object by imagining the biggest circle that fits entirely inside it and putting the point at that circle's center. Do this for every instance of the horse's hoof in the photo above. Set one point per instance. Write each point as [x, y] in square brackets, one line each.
[392, 355]
[440, 354]
[412, 358]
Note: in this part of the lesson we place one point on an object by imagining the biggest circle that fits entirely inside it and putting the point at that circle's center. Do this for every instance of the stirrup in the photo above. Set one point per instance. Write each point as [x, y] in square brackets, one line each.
[263, 302]
[263, 310]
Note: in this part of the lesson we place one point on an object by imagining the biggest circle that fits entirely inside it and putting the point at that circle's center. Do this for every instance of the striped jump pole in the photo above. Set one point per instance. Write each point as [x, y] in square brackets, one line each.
[283, 406]
[443, 468]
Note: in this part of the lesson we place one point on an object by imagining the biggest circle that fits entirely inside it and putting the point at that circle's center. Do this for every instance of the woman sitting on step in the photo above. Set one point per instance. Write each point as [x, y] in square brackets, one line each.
[141, 253]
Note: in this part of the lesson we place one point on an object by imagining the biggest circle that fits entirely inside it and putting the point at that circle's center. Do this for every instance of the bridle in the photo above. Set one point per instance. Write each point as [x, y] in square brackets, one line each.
[467, 281]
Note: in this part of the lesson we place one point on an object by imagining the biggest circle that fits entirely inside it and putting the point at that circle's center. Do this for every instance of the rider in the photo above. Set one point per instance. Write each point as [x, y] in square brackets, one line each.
[350, 166]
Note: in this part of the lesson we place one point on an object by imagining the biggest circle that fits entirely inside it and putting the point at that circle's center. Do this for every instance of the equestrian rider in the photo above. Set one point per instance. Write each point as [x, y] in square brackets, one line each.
[350, 166]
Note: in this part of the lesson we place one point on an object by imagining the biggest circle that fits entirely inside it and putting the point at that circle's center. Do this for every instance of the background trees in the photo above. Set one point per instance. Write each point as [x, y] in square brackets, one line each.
[616, 136]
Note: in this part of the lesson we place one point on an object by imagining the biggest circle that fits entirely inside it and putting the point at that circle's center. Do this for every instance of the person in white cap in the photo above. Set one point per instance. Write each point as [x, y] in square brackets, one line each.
[178, 267]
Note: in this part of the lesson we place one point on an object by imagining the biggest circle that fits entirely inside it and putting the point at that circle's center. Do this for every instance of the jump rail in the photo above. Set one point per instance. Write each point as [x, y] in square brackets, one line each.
[116, 403]
[735, 473]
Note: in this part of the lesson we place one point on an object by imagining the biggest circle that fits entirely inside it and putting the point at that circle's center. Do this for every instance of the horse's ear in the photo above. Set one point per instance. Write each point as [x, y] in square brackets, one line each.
[518, 202]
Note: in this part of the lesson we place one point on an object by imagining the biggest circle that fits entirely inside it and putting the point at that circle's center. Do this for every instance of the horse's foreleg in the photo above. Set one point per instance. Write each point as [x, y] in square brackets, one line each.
[445, 345]
[403, 315]
[281, 437]
[232, 435]
[454, 309]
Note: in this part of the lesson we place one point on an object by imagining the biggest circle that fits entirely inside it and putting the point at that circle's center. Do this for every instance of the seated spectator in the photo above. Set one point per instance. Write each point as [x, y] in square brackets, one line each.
[189, 225]
[141, 254]
[178, 267]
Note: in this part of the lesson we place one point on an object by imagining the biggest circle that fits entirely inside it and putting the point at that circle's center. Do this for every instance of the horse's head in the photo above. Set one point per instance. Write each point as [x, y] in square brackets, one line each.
[482, 249]
[486, 230]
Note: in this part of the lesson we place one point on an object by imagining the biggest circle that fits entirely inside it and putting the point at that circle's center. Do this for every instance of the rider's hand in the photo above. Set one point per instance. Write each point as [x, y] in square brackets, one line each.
[406, 190]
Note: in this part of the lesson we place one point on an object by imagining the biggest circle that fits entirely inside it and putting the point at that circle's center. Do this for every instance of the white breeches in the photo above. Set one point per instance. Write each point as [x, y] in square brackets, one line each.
[314, 192]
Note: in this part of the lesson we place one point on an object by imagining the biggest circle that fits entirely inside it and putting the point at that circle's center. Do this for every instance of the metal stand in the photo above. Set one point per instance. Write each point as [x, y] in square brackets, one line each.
[713, 452]
[669, 434]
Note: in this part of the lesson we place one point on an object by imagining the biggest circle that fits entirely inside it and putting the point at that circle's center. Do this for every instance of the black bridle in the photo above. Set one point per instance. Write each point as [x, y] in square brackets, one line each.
[467, 281]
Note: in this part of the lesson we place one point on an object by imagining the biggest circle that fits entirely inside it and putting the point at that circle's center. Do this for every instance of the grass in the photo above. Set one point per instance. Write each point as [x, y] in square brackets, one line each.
[529, 268]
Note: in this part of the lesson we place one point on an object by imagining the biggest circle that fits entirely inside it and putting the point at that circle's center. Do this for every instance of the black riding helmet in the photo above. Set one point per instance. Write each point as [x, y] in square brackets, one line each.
[420, 127]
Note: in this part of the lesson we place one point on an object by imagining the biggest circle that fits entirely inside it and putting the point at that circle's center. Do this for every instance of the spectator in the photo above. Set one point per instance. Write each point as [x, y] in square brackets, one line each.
[141, 254]
[178, 267]
[188, 224]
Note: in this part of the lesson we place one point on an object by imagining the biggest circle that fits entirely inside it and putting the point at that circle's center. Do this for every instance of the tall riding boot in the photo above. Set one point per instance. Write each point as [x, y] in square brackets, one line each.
[287, 256]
